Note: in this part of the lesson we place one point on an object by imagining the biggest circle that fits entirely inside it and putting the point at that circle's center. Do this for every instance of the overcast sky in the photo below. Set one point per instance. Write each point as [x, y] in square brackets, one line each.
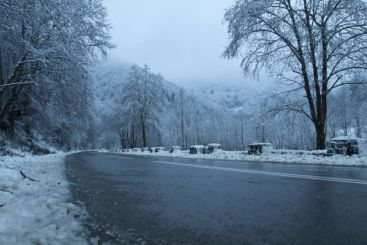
[182, 40]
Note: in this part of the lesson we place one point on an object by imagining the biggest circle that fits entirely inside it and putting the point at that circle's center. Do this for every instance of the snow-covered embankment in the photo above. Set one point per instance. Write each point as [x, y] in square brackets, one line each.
[34, 207]
[286, 156]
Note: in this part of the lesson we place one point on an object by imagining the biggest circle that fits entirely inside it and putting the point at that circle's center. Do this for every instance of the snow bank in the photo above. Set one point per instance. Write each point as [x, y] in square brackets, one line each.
[286, 156]
[37, 212]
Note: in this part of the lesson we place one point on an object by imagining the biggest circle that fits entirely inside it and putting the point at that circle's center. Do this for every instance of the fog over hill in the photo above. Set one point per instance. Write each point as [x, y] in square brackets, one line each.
[184, 118]
[229, 113]
[231, 95]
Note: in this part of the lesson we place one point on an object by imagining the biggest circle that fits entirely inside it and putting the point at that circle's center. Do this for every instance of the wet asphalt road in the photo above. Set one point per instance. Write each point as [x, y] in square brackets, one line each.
[150, 200]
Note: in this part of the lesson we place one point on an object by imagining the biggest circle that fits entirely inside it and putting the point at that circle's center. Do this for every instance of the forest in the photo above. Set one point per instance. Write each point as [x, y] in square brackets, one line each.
[59, 89]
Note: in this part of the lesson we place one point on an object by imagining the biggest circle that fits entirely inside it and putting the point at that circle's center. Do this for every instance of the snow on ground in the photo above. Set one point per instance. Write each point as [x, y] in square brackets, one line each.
[37, 212]
[286, 156]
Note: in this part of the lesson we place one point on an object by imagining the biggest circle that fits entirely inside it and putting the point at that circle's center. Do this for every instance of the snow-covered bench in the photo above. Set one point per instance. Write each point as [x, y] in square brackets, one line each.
[158, 149]
[214, 146]
[259, 148]
[174, 148]
[347, 145]
[195, 149]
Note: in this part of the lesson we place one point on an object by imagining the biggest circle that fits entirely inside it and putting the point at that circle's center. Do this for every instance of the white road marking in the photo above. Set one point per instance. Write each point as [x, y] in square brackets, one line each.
[287, 175]
[118, 156]
[126, 158]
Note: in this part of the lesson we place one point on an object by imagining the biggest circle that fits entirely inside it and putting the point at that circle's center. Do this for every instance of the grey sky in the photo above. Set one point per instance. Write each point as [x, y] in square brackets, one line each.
[183, 40]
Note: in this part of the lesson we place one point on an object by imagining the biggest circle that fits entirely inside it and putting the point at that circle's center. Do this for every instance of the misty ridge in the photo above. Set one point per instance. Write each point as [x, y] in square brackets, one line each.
[60, 89]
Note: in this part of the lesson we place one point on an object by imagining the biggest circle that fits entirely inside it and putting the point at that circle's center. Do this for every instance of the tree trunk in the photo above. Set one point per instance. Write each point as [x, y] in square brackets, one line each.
[143, 132]
[122, 139]
[182, 132]
[2, 79]
[320, 137]
[242, 135]
[358, 124]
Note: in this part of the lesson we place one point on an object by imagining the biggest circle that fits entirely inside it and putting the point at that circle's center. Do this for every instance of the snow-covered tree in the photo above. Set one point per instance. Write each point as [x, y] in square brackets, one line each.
[140, 103]
[45, 48]
[313, 45]
[347, 110]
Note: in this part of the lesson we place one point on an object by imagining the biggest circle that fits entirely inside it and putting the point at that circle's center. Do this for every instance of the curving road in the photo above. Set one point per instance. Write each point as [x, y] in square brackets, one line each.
[152, 200]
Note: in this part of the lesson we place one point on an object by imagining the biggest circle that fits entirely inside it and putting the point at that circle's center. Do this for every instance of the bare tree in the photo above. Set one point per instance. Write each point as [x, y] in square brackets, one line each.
[313, 45]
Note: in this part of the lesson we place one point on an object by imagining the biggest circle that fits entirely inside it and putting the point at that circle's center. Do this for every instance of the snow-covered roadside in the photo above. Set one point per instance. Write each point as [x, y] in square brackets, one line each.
[37, 212]
[285, 157]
